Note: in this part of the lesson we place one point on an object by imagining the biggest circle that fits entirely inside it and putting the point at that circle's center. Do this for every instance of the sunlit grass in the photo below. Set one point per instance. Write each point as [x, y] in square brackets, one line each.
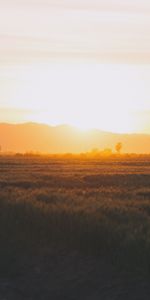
[101, 207]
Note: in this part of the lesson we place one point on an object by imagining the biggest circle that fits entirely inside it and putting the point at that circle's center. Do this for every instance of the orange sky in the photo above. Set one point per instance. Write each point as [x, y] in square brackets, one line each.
[86, 63]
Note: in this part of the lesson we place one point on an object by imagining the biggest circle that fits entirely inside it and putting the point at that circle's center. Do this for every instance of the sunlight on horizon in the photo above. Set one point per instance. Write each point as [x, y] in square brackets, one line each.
[103, 96]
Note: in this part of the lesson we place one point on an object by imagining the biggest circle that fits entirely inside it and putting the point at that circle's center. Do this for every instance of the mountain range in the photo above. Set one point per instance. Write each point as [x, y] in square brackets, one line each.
[65, 139]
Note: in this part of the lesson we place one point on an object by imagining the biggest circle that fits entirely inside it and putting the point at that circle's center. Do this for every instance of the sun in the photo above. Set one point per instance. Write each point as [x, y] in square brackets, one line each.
[116, 121]
[91, 96]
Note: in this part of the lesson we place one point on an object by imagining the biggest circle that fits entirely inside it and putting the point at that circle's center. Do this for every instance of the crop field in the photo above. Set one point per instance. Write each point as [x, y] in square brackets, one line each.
[74, 227]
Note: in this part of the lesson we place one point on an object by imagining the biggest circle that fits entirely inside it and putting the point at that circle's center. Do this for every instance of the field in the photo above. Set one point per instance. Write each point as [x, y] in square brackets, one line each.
[74, 227]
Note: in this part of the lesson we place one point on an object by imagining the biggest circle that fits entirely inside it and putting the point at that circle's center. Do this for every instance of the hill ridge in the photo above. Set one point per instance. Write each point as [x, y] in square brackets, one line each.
[32, 136]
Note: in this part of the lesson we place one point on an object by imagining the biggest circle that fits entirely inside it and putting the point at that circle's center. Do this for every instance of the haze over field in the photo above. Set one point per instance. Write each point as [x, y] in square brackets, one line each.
[63, 139]
[84, 63]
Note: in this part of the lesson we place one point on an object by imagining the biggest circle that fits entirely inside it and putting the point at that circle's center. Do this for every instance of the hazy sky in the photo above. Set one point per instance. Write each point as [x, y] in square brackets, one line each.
[83, 62]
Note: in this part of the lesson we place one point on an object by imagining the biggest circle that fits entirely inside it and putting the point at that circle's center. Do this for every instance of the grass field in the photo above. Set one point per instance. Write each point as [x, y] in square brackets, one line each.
[95, 207]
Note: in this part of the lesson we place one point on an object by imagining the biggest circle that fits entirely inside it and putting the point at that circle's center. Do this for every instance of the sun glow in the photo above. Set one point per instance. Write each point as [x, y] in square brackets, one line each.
[83, 95]
[114, 121]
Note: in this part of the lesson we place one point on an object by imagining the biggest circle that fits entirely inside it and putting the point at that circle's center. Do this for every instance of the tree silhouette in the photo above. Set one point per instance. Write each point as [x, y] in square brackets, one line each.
[118, 147]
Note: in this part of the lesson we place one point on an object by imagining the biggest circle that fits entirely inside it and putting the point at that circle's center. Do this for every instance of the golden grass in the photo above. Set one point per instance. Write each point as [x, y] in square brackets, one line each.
[98, 206]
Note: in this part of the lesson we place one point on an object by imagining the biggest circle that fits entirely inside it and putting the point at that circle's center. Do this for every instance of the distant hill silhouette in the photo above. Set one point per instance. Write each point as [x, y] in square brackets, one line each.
[61, 139]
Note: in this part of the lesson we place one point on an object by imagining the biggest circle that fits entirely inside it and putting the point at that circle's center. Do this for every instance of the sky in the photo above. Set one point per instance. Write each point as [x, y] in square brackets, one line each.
[80, 62]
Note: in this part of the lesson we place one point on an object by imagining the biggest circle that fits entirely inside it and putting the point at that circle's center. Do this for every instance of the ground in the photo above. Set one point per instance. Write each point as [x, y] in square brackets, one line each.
[74, 228]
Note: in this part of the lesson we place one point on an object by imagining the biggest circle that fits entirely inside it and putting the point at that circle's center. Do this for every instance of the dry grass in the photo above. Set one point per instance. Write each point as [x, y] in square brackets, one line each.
[99, 206]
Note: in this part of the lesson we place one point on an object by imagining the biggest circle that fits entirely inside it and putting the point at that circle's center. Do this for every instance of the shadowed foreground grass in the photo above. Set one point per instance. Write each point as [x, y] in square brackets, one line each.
[99, 207]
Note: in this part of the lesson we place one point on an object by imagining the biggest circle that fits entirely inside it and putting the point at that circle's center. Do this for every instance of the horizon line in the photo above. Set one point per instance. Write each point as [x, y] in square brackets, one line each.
[73, 127]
